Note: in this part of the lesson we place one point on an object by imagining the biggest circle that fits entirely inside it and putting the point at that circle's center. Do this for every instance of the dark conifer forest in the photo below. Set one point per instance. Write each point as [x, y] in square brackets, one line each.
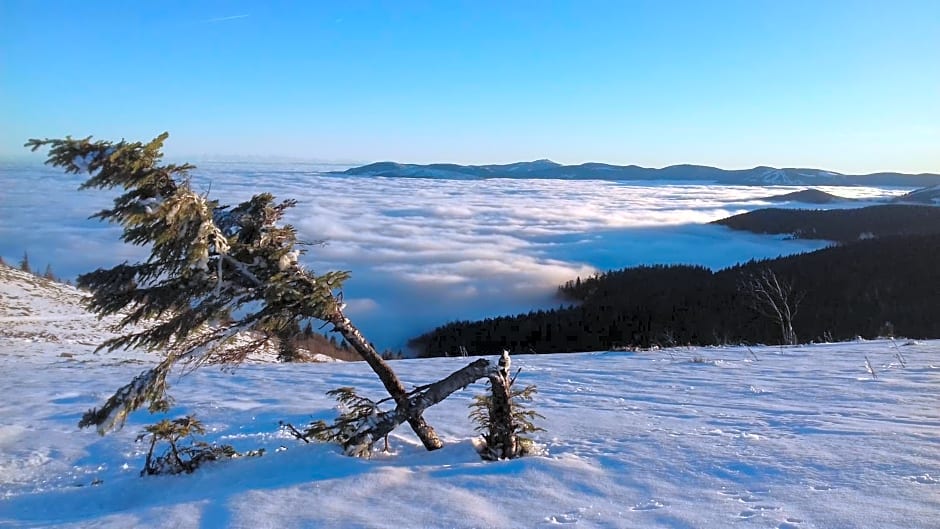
[883, 286]
[842, 225]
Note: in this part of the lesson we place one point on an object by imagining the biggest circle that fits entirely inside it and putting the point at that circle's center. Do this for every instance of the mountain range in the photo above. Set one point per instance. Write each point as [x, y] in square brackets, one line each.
[547, 169]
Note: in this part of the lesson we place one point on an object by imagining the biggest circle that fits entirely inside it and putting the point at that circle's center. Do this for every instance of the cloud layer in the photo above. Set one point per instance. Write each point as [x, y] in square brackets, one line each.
[424, 252]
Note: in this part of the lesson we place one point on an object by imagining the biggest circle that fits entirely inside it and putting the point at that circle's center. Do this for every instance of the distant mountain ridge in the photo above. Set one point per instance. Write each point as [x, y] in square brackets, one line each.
[547, 169]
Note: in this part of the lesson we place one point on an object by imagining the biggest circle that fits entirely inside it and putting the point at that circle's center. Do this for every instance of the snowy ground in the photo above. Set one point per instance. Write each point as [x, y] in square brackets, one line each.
[693, 437]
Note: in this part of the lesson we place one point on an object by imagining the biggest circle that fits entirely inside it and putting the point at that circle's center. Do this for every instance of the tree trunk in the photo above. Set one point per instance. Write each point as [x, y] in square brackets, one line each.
[389, 379]
[790, 334]
[424, 399]
[501, 441]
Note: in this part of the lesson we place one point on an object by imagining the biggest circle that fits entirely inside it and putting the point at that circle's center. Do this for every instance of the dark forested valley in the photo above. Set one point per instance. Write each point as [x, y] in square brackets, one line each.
[887, 285]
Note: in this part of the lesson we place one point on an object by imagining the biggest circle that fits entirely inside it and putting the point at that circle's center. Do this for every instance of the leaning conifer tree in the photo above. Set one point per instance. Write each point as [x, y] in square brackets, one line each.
[214, 272]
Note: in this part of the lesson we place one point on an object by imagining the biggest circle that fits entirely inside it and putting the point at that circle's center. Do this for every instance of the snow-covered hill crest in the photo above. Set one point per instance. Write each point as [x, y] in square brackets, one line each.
[35, 309]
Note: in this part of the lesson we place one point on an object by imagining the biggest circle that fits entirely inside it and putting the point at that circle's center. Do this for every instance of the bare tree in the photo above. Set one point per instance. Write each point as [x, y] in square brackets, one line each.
[774, 298]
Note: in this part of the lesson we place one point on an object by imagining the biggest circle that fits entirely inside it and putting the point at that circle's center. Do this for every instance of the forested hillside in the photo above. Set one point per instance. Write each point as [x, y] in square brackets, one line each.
[843, 225]
[872, 287]
[808, 196]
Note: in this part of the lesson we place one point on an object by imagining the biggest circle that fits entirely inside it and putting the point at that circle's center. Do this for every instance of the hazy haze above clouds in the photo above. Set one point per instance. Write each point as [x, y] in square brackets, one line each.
[423, 252]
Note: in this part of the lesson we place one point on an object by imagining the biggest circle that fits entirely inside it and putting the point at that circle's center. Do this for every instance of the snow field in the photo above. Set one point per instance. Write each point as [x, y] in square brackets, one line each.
[762, 437]
[689, 437]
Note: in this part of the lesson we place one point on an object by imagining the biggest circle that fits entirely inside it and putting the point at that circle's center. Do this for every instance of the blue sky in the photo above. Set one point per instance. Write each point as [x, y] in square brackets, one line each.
[848, 86]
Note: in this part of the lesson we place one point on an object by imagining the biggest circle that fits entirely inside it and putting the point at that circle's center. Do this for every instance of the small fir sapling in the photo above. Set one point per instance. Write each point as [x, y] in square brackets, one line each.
[523, 419]
[181, 456]
[502, 416]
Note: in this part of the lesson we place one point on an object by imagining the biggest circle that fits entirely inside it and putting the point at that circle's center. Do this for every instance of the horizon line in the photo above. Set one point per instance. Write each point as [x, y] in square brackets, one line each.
[275, 158]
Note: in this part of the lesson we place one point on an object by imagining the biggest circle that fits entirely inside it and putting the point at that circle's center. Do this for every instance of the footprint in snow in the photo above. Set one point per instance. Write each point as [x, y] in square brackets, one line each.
[650, 505]
[747, 496]
[755, 510]
[790, 523]
[568, 518]
[925, 479]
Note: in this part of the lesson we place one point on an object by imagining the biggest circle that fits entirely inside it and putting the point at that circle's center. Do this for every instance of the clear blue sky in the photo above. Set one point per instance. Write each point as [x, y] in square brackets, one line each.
[850, 86]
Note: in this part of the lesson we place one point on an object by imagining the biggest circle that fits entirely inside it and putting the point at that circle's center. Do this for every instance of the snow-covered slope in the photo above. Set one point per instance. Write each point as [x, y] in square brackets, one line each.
[789, 177]
[769, 437]
[37, 310]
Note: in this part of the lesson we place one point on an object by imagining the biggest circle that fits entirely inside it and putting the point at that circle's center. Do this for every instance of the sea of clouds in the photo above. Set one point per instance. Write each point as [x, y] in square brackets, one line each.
[424, 252]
